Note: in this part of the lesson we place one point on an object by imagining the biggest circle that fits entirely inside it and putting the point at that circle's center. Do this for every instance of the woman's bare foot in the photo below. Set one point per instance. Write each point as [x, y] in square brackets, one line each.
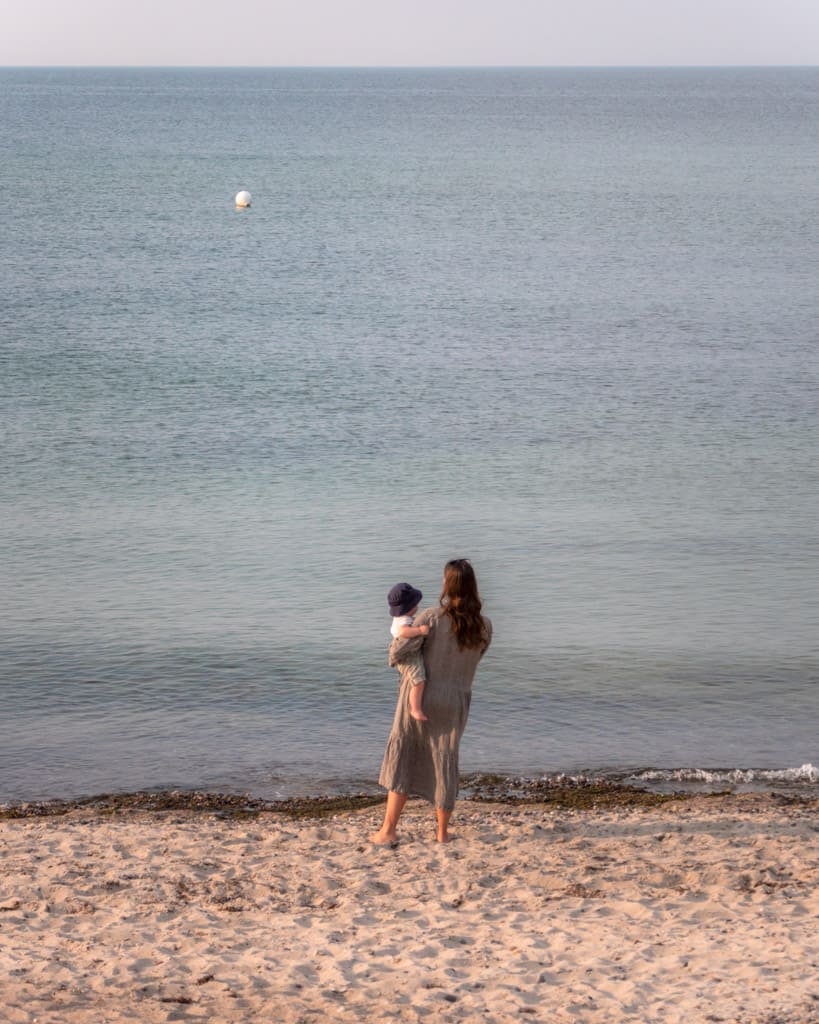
[382, 838]
[442, 825]
[419, 716]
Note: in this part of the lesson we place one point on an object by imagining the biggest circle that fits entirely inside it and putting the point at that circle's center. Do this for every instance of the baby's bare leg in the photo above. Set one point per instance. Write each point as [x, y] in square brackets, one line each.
[416, 699]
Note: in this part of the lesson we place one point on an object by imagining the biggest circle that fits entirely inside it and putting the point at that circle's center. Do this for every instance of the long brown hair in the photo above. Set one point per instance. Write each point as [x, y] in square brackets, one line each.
[462, 603]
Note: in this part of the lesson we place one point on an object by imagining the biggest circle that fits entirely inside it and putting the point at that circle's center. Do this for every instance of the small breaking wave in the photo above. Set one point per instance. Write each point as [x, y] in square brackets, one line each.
[803, 780]
[806, 774]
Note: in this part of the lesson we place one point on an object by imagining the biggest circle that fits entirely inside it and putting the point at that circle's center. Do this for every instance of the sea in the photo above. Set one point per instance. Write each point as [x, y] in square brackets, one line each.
[563, 322]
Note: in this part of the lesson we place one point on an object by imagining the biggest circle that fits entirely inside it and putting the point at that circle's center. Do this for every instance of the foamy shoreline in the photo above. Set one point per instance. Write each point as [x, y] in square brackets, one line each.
[801, 781]
[700, 909]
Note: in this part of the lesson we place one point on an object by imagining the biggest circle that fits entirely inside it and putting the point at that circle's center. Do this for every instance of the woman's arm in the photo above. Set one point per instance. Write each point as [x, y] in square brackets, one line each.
[488, 628]
[401, 647]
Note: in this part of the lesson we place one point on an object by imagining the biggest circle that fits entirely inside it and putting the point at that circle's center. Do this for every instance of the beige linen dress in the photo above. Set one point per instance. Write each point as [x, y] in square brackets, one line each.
[422, 757]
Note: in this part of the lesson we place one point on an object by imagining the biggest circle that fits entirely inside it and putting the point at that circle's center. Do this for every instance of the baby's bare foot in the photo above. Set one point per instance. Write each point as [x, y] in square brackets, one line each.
[419, 716]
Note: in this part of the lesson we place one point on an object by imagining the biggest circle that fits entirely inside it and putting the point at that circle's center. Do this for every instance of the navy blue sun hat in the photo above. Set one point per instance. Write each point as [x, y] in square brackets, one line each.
[403, 598]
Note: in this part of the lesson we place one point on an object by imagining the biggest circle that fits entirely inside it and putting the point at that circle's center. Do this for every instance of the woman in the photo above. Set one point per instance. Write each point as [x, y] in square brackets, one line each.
[422, 757]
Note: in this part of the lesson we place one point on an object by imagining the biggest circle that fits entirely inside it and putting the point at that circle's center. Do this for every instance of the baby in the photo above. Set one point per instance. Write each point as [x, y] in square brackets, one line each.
[403, 601]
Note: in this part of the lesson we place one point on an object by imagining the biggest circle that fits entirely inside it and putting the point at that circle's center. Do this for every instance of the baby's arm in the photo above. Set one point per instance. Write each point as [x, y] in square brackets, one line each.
[407, 632]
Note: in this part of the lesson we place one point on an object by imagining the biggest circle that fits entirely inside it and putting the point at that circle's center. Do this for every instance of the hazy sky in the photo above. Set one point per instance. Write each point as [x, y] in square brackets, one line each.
[409, 32]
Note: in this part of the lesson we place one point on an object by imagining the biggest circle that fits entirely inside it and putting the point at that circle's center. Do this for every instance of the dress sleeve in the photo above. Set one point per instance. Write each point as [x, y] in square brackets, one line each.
[426, 618]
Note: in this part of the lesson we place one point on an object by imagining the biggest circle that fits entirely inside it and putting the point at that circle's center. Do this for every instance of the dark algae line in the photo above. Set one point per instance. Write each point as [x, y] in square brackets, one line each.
[477, 789]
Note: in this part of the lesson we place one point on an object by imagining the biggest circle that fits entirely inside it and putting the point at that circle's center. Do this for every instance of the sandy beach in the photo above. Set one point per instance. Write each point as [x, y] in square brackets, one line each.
[704, 909]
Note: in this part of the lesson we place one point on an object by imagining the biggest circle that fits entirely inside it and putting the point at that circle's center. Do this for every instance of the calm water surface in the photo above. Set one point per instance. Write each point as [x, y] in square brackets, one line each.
[561, 322]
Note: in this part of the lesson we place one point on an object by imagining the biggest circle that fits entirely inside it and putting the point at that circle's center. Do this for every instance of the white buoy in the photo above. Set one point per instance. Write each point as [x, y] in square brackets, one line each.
[243, 198]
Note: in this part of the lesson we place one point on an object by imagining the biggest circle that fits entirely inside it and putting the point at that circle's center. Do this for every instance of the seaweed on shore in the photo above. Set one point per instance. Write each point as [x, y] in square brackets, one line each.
[569, 794]
[577, 795]
[224, 805]
[478, 789]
